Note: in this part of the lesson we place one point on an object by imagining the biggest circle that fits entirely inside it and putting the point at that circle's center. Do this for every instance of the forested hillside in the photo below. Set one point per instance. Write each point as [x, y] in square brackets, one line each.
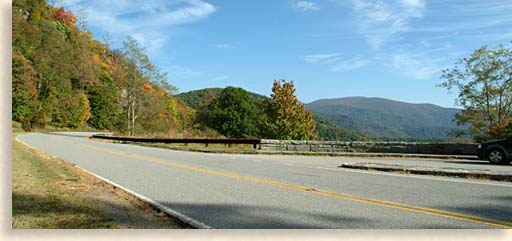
[199, 98]
[64, 78]
[383, 118]
[327, 130]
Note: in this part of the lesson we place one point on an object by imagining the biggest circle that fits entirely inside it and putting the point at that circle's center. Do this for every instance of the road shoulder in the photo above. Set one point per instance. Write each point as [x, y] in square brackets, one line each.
[50, 193]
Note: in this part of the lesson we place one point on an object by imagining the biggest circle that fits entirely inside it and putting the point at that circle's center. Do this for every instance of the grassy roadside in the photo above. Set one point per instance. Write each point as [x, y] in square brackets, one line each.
[52, 194]
[45, 194]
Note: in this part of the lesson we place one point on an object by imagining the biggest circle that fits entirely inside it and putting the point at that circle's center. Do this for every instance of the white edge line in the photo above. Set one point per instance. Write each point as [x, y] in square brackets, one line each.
[416, 176]
[182, 217]
[411, 176]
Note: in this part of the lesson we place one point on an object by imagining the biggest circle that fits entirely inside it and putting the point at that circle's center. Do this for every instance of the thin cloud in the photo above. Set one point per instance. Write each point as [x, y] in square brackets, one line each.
[318, 58]
[335, 62]
[379, 20]
[222, 45]
[221, 78]
[415, 66]
[182, 73]
[305, 6]
[142, 19]
[349, 64]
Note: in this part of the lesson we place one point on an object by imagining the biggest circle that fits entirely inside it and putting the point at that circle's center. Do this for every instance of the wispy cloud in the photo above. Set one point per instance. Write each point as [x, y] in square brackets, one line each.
[335, 62]
[144, 20]
[380, 20]
[349, 64]
[220, 78]
[319, 58]
[222, 45]
[305, 5]
[417, 66]
[182, 73]
[152, 41]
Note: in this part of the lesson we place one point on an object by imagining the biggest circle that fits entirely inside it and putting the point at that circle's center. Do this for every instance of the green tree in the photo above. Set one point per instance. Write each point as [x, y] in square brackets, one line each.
[286, 117]
[233, 113]
[24, 92]
[78, 109]
[484, 84]
[104, 102]
[133, 81]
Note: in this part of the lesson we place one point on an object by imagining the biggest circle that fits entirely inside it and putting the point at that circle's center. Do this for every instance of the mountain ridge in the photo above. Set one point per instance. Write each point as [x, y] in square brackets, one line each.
[385, 118]
[361, 118]
[198, 99]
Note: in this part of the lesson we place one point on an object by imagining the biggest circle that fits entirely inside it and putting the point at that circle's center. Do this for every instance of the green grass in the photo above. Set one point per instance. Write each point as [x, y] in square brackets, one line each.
[47, 194]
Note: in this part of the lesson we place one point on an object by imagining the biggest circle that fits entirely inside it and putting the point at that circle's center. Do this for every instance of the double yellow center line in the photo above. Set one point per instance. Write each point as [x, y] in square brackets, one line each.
[371, 201]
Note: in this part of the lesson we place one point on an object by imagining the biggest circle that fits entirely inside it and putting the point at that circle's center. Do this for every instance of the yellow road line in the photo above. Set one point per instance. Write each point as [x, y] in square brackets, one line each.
[377, 202]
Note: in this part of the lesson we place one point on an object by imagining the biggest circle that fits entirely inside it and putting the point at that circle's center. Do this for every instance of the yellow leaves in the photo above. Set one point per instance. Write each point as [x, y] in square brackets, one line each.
[96, 58]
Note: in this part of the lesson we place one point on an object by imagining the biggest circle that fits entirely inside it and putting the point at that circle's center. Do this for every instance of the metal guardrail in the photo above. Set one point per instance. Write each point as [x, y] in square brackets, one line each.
[205, 141]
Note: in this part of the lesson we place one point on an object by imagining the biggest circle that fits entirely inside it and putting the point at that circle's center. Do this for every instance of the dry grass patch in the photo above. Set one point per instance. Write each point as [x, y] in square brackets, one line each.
[52, 194]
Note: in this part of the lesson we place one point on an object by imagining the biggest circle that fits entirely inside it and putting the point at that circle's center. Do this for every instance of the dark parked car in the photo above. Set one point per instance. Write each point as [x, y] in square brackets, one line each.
[496, 151]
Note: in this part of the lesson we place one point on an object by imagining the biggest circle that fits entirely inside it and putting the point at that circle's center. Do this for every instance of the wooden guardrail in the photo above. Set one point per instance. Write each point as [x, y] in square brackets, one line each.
[206, 141]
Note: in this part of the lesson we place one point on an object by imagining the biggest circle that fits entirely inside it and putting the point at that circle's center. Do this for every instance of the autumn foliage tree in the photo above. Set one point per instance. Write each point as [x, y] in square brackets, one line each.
[484, 84]
[64, 78]
[67, 18]
[286, 118]
[24, 92]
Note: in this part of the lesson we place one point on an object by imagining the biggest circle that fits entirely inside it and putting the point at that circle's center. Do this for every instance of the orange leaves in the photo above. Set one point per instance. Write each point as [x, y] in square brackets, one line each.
[64, 17]
[147, 88]
[32, 90]
[96, 58]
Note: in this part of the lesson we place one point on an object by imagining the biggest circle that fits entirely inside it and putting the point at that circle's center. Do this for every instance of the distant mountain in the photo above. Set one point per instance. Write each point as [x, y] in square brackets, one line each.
[326, 129]
[329, 131]
[389, 119]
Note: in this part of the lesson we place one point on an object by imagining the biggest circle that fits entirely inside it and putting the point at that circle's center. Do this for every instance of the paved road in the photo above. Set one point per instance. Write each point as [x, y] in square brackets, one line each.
[259, 191]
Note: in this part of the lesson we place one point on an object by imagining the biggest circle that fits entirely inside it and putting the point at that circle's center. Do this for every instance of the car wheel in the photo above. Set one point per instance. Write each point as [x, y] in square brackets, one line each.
[496, 156]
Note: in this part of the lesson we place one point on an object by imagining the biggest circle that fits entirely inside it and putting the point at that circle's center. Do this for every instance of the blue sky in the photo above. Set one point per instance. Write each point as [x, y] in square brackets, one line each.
[392, 49]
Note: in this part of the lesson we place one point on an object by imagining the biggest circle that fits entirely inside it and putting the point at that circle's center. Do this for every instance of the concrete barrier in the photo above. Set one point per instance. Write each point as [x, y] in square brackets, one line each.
[370, 147]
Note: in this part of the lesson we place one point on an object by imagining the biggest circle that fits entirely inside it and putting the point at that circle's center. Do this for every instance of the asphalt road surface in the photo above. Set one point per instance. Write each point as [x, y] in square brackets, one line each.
[264, 191]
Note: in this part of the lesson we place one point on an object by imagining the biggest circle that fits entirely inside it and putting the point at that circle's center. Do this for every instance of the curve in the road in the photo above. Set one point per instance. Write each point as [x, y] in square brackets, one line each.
[377, 202]
[249, 191]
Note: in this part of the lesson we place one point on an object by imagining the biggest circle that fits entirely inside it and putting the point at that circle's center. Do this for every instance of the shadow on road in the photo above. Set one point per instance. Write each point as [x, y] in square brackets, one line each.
[500, 208]
[261, 217]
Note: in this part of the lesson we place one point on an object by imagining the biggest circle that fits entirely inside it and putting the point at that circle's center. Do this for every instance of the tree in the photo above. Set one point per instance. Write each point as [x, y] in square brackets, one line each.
[78, 109]
[233, 113]
[24, 92]
[286, 117]
[104, 102]
[484, 83]
[140, 76]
